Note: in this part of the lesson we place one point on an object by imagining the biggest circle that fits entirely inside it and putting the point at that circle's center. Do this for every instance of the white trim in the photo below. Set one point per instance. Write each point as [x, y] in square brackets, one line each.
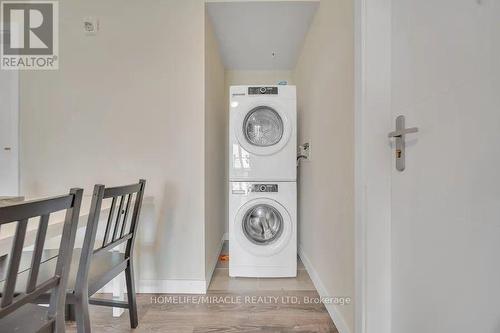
[174, 286]
[209, 276]
[171, 287]
[160, 287]
[16, 121]
[359, 234]
[18, 148]
[332, 309]
[373, 120]
[226, 236]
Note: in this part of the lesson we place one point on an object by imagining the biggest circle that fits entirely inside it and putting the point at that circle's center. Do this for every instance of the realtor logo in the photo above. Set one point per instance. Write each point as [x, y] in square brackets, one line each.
[29, 33]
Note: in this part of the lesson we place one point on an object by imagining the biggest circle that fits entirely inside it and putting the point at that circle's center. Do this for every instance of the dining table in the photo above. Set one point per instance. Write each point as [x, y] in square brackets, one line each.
[54, 231]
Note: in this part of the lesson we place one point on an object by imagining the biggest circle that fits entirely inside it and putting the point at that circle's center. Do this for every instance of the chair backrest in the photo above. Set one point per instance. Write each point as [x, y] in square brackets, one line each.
[20, 213]
[116, 231]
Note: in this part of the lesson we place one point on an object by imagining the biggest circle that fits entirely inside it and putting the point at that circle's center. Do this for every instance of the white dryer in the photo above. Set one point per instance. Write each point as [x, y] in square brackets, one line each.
[262, 229]
[262, 133]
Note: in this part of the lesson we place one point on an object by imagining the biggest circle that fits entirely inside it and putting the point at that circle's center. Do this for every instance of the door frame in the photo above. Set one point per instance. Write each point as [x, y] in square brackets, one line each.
[17, 124]
[373, 166]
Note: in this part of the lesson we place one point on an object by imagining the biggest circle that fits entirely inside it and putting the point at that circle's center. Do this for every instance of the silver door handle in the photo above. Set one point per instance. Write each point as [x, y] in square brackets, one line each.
[400, 134]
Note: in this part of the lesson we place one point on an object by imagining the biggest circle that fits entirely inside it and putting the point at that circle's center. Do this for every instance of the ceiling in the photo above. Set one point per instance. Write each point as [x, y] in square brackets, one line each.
[261, 35]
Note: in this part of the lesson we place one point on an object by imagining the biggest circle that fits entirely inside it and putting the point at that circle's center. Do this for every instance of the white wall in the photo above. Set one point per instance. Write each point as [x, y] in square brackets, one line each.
[248, 77]
[216, 118]
[324, 77]
[125, 104]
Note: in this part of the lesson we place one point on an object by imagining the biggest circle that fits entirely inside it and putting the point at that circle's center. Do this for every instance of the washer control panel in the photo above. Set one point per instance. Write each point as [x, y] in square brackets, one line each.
[264, 188]
[263, 90]
[245, 188]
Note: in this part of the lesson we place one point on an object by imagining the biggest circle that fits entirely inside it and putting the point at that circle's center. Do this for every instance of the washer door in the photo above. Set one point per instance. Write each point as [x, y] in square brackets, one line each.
[263, 227]
[264, 130]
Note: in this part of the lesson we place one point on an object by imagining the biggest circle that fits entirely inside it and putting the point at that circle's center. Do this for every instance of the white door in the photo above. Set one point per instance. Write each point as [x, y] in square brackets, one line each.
[446, 204]
[9, 133]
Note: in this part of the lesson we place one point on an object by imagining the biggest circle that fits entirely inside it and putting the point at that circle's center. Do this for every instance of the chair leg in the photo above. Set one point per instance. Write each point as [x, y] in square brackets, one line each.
[129, 277]
[69, 312]
[82, 314]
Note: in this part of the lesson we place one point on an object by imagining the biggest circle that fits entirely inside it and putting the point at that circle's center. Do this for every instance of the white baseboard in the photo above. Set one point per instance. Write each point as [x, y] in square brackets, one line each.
[211, 271]
[180, 286]
[332, 309]
[164, 287]
[226, 236]
[171, 287]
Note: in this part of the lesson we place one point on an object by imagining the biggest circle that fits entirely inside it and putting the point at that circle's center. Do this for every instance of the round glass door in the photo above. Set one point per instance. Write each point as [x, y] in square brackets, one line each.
[263, 127]
[262, 224]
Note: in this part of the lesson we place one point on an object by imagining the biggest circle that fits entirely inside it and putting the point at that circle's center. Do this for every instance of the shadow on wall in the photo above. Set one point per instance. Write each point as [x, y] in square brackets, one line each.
[156, 232]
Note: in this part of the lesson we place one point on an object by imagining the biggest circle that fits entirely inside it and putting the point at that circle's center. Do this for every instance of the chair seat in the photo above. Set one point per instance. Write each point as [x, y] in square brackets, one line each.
[104, 266]
[28, 318]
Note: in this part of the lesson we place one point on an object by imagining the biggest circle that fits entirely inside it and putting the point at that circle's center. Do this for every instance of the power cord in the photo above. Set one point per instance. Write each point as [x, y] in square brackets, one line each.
[299, 157]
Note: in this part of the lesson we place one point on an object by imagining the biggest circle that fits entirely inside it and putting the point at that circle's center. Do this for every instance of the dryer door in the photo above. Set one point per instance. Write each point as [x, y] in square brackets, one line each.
[263, 227]
[264, 129]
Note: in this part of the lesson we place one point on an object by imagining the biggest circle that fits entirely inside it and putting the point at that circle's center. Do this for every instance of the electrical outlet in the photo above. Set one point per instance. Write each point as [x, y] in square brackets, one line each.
[305, 151]
[90, 25]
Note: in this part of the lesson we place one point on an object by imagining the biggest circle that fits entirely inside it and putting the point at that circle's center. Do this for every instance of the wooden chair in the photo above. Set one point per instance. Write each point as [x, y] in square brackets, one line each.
[92, 267]
[98, 266]
[17, 313]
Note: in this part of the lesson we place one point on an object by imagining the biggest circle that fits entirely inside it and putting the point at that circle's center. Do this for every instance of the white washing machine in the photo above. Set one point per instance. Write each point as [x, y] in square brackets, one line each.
[262, 229]
[262, 133]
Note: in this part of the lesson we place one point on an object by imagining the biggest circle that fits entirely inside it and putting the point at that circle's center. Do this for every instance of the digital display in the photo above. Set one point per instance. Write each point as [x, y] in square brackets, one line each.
[265, 188]
[263, 90]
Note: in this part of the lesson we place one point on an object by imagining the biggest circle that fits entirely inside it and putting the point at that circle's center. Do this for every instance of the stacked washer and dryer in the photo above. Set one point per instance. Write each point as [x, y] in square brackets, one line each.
[262, 181]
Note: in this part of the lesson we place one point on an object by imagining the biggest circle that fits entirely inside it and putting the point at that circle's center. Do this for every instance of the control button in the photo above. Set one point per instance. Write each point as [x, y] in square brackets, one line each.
[263, 188]
[263, 90]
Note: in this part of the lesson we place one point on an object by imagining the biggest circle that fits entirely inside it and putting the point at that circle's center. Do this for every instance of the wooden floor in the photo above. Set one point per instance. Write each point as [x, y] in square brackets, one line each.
[231, 305]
